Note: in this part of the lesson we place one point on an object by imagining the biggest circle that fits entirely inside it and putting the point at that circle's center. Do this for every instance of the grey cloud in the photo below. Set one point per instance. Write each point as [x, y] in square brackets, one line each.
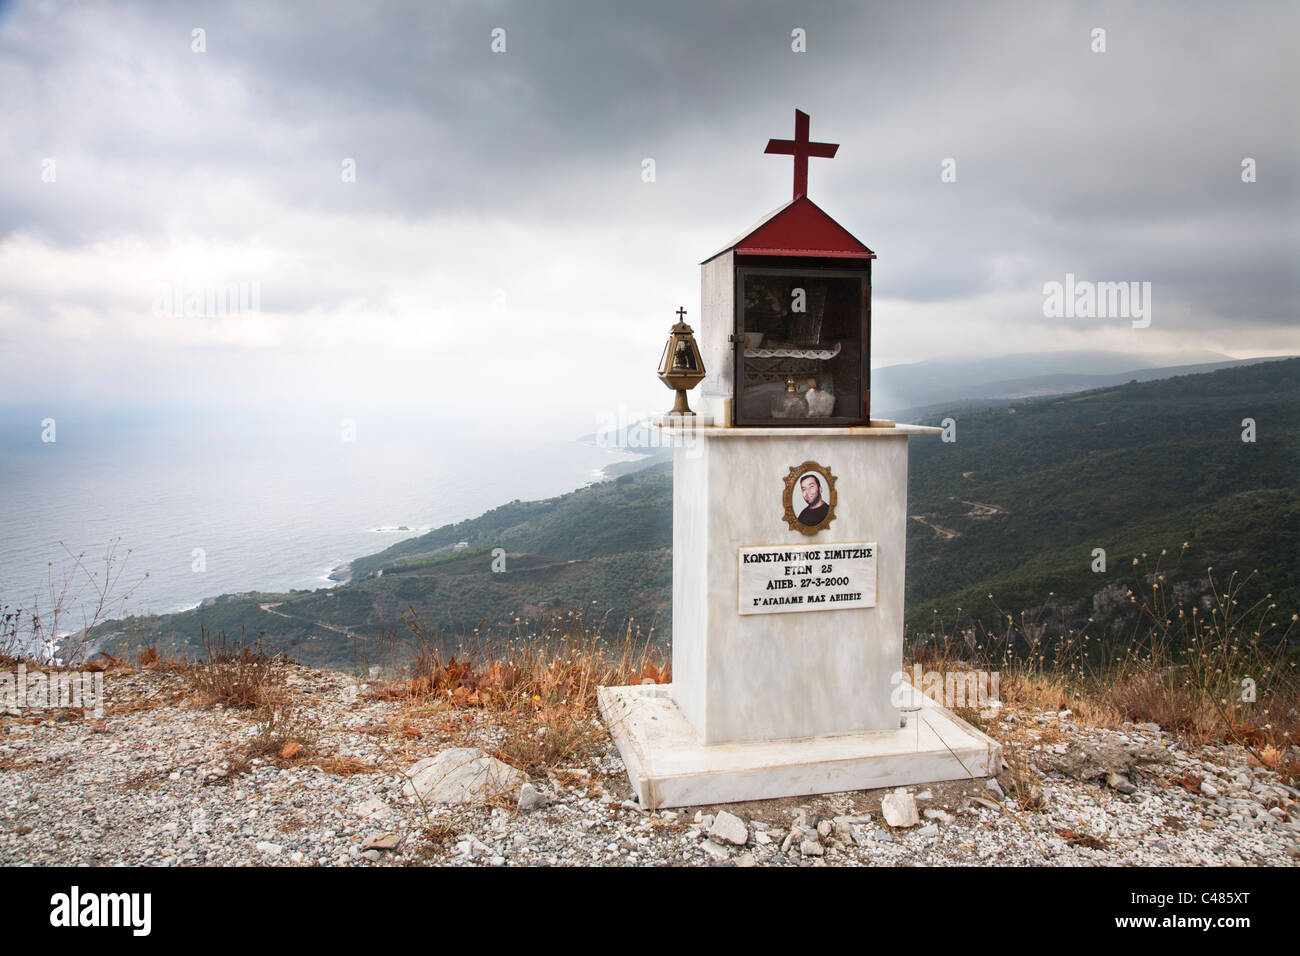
[1122, 165]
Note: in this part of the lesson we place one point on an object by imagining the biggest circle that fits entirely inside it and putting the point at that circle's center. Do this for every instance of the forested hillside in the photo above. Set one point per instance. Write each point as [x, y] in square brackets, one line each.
[1019, 502]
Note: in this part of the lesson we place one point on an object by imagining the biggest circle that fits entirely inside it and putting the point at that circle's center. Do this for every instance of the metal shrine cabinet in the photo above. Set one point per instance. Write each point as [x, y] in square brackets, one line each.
[785, 331]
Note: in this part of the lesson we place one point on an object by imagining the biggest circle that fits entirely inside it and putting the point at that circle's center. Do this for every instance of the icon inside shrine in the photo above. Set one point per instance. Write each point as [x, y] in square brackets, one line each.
[786, 331]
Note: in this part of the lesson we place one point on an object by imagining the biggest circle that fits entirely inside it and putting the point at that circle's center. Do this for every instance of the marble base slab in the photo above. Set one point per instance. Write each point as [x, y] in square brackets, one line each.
[670, 767]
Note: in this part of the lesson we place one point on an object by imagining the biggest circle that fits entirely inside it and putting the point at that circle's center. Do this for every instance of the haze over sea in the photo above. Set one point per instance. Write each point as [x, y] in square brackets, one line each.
[273, 504]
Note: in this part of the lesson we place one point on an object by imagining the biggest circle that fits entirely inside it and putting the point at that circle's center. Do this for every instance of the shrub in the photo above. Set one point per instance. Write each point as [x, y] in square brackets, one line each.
[235, 674]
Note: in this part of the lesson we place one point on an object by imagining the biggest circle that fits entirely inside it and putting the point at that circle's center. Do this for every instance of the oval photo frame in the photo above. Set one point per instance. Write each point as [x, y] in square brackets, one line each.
[802, 514]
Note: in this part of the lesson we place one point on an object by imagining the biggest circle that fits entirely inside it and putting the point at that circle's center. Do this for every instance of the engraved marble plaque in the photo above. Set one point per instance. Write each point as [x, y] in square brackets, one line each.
[802, 577]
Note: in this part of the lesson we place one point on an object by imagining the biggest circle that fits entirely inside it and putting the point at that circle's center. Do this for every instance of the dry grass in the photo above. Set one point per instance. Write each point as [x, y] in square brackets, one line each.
[145, 780]
[346, 766]
[1038, 691]
[1218, 670]
[972, 716]
[46, 630]
[1088, 840]
[536, 741]
[1220, 673]
[1020, 780]
[285, 737]
[13, 649]
[537, 679]
[236, 674]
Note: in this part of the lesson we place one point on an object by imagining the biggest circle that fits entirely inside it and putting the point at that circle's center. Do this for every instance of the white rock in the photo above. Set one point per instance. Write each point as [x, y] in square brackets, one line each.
[530, 798]
[270, 849]
[941, 816]
[461, 775]
[1120, 782]
[719, 853]
[371, 809]
[728, 828]
[899, 809]
[1209, 789]
[811, 848]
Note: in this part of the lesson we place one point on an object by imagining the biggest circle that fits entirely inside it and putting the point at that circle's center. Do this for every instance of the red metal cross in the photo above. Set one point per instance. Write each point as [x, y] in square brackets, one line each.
[801, 149]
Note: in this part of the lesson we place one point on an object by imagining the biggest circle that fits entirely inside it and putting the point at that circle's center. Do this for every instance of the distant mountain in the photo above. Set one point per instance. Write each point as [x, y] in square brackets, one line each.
[1015, 508]
[903, 392]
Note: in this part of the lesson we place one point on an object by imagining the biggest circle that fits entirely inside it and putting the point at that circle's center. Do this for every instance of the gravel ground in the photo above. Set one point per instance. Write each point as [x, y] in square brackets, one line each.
[162, 782]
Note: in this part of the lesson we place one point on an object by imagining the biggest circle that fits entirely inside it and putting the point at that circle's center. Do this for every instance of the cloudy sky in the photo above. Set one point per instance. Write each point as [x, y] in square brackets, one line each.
[500, 251]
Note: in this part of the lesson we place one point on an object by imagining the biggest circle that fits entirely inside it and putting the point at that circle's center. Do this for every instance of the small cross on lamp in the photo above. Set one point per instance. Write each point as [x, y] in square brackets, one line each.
[681, 367]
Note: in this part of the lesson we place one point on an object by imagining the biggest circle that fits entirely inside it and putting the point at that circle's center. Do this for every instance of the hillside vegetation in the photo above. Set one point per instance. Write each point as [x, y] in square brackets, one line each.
[1017, 505]
[1014, 508]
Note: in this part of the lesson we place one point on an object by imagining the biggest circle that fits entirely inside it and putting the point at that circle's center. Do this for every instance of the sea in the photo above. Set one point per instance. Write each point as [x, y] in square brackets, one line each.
[170, 509]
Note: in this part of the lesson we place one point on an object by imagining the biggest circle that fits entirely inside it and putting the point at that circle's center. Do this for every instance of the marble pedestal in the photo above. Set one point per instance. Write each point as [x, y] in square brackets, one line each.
[776, 676]
[794, 702]
[669, 766]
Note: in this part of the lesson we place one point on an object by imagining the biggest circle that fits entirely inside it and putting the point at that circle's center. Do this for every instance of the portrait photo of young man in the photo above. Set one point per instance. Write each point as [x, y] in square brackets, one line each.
[816, 507]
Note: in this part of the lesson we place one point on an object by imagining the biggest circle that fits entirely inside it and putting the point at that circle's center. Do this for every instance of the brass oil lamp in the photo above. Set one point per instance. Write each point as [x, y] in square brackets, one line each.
[681, 367]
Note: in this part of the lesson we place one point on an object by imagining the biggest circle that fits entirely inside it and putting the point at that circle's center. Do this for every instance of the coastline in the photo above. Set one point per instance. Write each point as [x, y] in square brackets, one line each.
[338, 573]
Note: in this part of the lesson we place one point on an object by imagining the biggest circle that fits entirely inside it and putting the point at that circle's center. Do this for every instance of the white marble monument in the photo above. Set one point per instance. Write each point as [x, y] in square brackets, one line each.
[789, 544]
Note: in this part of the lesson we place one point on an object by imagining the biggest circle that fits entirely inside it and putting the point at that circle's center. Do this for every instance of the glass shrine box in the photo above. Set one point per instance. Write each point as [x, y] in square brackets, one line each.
[786, 329]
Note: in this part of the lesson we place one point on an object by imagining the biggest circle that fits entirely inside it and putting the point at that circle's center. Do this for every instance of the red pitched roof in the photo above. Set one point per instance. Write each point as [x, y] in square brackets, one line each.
[799, 228]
